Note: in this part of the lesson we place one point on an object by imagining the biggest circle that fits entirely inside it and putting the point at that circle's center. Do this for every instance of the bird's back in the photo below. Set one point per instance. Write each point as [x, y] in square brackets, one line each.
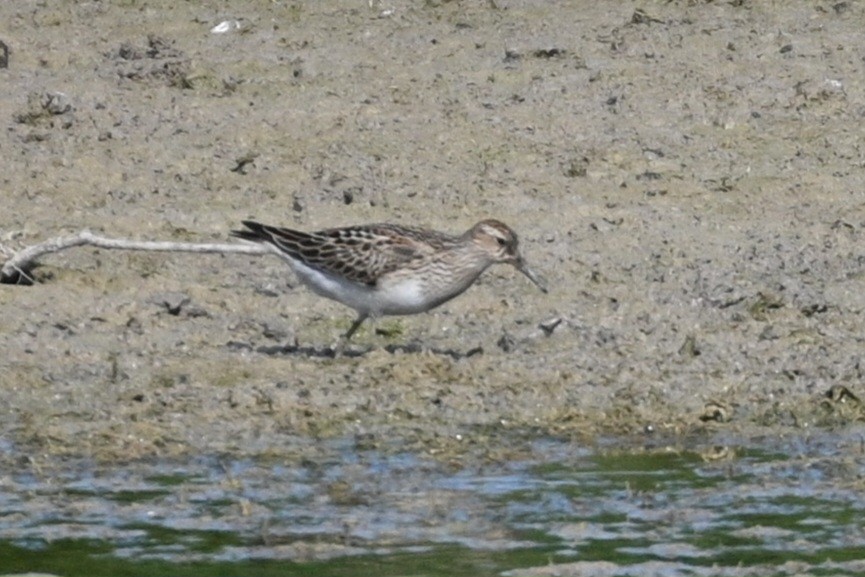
[362, 254]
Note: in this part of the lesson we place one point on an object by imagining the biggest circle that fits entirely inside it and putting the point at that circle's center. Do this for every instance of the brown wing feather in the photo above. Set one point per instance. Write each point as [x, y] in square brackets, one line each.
[359, 253]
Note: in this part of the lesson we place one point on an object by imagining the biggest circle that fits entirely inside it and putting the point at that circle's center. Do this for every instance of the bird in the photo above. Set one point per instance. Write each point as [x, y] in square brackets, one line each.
[389, 269]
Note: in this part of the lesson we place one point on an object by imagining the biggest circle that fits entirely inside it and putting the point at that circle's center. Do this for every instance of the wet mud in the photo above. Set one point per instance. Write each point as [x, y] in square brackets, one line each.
[686, 175]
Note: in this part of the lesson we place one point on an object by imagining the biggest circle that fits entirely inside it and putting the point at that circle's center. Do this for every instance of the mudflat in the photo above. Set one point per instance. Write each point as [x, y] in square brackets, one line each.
[688, 176]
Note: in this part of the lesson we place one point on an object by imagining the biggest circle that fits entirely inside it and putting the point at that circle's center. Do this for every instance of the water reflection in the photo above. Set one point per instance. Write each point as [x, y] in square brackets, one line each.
[789, 508]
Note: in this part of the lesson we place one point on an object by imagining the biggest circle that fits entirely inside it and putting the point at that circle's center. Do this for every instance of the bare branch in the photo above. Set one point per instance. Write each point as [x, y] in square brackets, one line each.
[15, 270]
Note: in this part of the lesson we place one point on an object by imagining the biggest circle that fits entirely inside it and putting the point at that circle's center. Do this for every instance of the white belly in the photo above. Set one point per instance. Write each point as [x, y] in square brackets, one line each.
[405, 297]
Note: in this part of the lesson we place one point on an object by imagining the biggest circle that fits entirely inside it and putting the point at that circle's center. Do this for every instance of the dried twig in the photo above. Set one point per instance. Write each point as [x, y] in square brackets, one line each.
[16, 269]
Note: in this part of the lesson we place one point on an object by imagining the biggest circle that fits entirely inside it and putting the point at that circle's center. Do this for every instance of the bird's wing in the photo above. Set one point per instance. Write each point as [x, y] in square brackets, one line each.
[366, 253]
[360, 253]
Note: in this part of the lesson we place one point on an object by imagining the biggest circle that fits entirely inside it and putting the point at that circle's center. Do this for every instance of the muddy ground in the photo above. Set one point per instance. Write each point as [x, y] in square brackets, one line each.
[687, 175]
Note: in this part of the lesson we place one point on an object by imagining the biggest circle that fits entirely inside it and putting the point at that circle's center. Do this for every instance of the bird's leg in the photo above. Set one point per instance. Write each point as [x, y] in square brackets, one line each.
[343, 340]
[355, 325]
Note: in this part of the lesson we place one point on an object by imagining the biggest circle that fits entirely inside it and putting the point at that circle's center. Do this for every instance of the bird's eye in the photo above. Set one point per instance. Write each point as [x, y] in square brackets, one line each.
[501, 241]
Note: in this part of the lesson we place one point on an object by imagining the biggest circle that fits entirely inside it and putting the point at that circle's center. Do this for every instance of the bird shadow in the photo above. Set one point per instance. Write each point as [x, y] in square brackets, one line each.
[331, 352]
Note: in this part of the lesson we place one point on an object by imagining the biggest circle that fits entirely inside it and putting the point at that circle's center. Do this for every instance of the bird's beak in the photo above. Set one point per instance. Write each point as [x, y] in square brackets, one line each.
[533, 276]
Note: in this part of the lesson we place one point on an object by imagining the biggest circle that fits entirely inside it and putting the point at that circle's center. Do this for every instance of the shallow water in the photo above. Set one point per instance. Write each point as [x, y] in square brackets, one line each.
[788, 507]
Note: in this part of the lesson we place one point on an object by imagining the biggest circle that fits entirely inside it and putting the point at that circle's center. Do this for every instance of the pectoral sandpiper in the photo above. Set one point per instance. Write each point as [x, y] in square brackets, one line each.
[387, 269]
